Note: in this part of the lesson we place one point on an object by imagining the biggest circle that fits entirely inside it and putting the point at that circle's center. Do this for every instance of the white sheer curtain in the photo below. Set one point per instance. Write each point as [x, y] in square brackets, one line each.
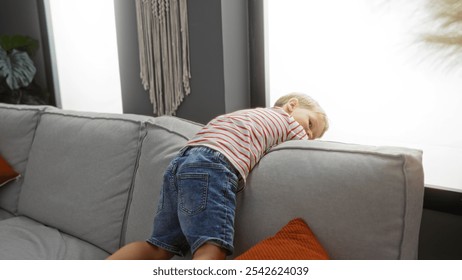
[84, 53]
[380, 85]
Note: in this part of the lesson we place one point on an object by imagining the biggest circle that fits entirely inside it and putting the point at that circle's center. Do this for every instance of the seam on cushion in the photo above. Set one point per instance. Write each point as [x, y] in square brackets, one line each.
[407, 189]
[337, 151]
[20, 107]
[89, 117]
[142, 136]
[13, 215]
[39, 111]
[169, 130]
[405, 206]
[185, 120]
[39, 119]
[147, 122]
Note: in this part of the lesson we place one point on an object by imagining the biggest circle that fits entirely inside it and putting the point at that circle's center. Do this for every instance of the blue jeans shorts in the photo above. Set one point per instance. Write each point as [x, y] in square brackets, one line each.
[197, 202]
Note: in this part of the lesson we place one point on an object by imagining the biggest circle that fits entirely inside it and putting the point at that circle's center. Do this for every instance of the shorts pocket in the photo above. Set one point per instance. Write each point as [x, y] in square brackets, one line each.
[192, 192]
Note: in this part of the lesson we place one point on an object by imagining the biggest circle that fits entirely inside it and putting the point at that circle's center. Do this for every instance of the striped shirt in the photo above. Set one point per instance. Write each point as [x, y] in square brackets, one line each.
[245, 136]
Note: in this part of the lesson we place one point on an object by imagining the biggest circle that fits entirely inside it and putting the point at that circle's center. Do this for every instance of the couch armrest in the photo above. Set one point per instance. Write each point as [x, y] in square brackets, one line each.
[362, 202]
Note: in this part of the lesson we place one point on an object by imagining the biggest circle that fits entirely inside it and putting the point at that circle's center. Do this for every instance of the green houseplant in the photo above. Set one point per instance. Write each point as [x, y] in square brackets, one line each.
[17, 71]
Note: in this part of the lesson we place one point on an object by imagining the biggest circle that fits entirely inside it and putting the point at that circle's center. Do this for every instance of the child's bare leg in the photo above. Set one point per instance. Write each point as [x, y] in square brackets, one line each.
[210, 251]
[141, 251]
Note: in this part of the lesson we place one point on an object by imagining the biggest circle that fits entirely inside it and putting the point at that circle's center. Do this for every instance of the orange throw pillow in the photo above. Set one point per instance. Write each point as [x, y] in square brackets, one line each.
[7, 173]
[295, 241]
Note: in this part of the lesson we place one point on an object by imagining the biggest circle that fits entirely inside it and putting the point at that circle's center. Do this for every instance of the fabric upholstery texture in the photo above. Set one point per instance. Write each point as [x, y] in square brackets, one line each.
[295, 241]
[26, 239]
[163, 140]
[80, 175]
[368, 193]
[17, 130]
[5, 214]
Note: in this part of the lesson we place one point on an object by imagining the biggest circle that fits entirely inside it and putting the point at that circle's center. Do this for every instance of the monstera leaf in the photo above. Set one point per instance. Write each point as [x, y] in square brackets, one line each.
[20, 43]
[17, 68]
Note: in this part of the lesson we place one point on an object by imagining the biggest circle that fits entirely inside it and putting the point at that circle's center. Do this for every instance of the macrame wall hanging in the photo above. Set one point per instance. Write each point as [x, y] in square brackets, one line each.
[164, 52]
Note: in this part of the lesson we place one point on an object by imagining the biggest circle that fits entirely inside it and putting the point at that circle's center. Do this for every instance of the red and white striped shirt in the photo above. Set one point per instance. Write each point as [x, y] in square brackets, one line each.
[245, 136]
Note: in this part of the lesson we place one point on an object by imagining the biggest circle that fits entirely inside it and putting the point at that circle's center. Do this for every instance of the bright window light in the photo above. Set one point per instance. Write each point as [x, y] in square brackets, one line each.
[83, 37]
[363, 61]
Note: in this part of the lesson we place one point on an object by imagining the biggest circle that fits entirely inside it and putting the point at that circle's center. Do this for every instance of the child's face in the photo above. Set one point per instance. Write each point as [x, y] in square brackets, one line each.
[311, 121]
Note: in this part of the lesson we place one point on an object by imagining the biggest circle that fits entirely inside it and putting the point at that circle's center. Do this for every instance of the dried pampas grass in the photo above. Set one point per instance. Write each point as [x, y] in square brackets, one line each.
[446, 34]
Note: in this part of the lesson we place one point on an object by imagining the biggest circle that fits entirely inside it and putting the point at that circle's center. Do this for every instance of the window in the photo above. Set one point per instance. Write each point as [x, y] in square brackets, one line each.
[363, 61]
[84, 54]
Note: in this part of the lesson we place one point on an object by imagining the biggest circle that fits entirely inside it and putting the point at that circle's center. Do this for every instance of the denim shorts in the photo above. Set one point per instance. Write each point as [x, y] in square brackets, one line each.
[197, 202]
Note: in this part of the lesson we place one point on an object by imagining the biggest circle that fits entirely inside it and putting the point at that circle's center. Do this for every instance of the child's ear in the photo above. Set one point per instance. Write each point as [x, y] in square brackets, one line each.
[293, 103]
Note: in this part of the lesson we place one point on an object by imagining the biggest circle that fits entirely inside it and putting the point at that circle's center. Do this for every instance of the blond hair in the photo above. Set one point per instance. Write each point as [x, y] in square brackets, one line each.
[306, 102]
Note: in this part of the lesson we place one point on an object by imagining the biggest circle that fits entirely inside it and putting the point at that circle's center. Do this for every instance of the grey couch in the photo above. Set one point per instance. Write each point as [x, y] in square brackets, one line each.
[90, 184]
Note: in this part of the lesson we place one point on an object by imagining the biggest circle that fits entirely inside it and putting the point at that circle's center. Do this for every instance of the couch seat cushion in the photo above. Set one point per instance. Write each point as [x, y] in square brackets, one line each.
[5, 214]
[24, 239]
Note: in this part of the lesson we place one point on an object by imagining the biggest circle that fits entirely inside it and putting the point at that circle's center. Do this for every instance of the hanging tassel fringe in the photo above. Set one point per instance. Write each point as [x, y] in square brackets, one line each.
[164, 52]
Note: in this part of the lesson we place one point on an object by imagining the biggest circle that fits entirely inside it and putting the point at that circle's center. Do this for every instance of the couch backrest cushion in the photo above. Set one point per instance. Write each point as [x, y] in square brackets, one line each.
[361, 202]
[80, 174]
[17, 130]
[165, 137]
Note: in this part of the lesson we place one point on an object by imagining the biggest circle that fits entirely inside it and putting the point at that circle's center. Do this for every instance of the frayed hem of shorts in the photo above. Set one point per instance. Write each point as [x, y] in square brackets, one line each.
[216, 241]
[166, 247]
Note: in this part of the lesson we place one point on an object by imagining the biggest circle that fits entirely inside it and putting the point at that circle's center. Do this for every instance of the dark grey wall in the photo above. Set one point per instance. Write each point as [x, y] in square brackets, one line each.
[235, 28]
[219, 59]
[207, 98]
[135, 99]
[441, 228]
[440, 236]
[21, 17]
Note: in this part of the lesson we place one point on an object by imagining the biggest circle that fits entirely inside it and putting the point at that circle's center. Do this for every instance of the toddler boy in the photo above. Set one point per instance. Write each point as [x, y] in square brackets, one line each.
[198, 200]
